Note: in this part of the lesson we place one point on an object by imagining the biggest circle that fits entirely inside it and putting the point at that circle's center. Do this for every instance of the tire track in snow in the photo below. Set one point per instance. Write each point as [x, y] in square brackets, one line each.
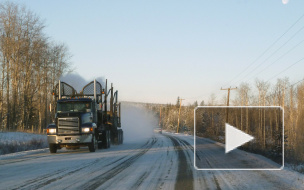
[140, 180]
[214, 178]
[111, 173]
[29, 183]
[22, 159]
[207, 156]
[52, 177]
[184, 179]
[202, 175]
[60, 174]
[57, 175]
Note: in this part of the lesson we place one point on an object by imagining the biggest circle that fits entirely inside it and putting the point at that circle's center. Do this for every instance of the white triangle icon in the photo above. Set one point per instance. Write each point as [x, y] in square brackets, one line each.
[235, 138]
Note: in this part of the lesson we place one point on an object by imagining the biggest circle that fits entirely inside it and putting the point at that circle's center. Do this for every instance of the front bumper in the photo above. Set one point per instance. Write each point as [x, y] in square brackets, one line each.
[78, 139]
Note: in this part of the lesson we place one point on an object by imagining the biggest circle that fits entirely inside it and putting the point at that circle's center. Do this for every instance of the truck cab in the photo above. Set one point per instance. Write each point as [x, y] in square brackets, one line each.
[75, 125]
[82, 119]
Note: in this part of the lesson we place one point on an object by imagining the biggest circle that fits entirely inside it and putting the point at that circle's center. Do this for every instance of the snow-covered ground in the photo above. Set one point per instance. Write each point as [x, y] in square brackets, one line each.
[148, 161]
[282, 179]
[157, 162]
[11, 142]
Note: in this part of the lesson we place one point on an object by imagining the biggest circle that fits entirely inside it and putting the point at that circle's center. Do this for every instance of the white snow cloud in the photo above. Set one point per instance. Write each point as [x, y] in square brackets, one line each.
[137, 122]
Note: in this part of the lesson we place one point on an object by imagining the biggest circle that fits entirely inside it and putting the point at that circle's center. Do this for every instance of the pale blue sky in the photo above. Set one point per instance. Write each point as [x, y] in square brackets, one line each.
[156, 50]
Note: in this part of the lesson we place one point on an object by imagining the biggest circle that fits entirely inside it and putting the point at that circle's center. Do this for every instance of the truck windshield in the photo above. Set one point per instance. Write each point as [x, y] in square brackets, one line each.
[73, 107]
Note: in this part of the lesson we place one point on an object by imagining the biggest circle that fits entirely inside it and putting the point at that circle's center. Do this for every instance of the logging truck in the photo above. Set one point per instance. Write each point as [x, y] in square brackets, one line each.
[83, 119]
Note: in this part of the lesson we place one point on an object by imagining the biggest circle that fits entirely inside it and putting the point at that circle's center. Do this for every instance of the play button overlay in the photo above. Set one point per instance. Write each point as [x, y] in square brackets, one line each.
[238, 138]
[235, 138]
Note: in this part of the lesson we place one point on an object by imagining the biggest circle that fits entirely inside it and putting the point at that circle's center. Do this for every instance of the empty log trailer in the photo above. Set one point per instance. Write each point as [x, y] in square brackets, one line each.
[83, 119]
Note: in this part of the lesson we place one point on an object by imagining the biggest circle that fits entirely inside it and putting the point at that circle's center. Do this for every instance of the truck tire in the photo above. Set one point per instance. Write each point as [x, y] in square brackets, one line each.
[93, 144]
[118, 137]
[121, 137]
[100, 145]
[100, 141]
[53, 148]
[107, 140]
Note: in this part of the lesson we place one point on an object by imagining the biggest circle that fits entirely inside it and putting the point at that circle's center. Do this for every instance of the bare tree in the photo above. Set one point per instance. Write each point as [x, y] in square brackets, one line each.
[243, 100]
[30, 66]
[262, 87]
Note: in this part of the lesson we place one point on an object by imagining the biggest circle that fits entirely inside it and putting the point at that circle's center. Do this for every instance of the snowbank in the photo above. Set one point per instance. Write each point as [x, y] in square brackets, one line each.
[11, 142]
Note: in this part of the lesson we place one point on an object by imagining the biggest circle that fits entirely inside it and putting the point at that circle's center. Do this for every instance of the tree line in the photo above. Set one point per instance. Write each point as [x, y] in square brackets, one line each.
[266, 124]
[30, 65]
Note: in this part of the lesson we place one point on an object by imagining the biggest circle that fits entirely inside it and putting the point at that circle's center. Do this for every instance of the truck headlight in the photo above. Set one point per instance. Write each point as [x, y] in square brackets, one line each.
[51, 131]
[87, 129]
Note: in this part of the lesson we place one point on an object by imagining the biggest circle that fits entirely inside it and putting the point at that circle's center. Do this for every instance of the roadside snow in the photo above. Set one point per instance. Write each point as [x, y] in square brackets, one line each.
[286, 178]
[11, 142]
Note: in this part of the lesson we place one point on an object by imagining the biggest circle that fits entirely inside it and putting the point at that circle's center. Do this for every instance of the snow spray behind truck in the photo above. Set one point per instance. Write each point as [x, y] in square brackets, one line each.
[83, 119]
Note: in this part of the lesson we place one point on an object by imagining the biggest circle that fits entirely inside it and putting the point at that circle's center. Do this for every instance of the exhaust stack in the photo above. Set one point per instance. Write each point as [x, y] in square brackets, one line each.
[59, 92]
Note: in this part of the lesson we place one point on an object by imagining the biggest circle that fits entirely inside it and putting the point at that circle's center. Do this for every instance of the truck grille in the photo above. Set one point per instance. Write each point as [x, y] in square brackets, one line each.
[68, 125]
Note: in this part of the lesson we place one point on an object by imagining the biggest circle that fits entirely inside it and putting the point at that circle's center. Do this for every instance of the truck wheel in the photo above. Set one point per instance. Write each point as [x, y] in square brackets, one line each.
[121, 137]
[93, 144]
[53, 148]
[107, 140]
[100, 141]
[100, 145]
[118, 137]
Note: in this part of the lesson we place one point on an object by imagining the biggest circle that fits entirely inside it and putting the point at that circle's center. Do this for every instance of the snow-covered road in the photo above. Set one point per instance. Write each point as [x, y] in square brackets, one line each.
[159, 162]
